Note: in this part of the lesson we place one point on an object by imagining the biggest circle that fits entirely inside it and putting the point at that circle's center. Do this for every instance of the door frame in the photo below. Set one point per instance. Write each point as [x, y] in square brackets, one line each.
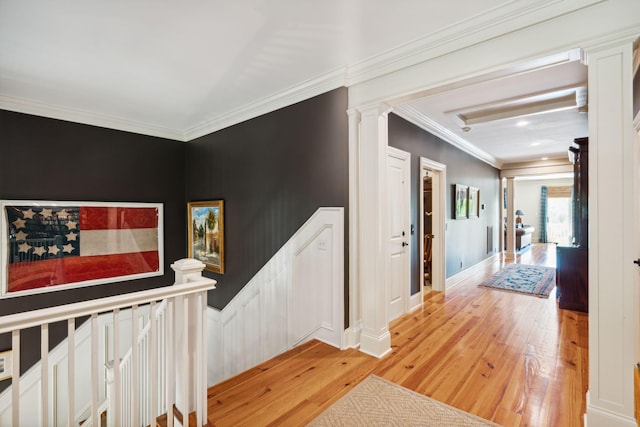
[404, 156]
[438, 264]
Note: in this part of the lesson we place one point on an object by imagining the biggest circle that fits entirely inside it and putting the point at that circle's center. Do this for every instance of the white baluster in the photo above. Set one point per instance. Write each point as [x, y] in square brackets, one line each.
[44, 374]
[71, 371]
[134, 380]
[170, 367]
[153, 365]
[94, 369]
[15, 378]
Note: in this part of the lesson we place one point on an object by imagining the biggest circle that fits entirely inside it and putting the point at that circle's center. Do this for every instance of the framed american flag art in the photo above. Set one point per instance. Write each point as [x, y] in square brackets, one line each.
[52, 245]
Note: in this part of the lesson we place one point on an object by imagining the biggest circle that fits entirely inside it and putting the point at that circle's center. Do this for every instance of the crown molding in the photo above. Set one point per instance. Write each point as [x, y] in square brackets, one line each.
[495, 22]
[300, 92]
[509, 16]
[87, 118]
[414, 116]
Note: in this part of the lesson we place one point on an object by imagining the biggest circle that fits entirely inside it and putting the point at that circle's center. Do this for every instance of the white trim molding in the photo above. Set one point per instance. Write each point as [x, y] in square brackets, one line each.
[88, 118]
[493, 23]
[417, 118]
[612, 275]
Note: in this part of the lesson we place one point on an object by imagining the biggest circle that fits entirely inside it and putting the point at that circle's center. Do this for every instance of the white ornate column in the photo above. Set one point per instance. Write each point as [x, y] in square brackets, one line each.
[372, 230]
[612, 308]
[511, 216]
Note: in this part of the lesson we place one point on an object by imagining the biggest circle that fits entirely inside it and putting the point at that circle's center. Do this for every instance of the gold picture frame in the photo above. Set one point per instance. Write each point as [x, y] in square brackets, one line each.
[6, 364]
[206, 233]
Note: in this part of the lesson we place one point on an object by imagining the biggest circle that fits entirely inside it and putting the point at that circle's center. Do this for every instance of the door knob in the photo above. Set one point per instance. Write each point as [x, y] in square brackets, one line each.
[637, 261]
[404, 244]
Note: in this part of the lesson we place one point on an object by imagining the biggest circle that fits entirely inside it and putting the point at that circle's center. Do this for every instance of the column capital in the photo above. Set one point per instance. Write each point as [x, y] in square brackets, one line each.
[377, 109]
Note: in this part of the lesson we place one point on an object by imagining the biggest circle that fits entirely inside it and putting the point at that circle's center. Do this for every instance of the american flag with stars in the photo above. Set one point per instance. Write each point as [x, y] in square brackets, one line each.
[57, 245]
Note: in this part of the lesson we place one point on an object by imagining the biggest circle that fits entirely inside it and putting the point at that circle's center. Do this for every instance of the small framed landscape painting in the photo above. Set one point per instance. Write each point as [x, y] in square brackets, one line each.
[460, 202]
[206, 233]
[473, 204]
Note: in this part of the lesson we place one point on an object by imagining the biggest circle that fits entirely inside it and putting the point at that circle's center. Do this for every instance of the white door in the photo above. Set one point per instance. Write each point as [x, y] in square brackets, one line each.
[399, 197]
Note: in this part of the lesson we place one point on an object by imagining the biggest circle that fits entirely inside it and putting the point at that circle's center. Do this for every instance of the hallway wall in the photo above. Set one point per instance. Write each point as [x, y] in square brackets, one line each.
[466, 240]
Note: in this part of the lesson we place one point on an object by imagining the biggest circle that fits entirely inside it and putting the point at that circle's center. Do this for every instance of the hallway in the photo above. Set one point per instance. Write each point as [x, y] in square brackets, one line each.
[514, 359]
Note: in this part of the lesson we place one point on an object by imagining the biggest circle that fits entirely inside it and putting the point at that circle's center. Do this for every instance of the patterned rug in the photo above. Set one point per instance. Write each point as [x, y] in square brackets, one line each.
[378, 402]
[526, 279]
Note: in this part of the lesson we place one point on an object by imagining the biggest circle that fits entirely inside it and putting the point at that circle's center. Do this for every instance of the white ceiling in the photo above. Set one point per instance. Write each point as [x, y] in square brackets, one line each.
[180, 70]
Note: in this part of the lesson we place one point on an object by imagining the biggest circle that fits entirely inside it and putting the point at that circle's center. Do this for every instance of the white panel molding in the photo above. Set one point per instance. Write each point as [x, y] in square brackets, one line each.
[297, 296]
[372, 256]
[612, 275]
[88, 118]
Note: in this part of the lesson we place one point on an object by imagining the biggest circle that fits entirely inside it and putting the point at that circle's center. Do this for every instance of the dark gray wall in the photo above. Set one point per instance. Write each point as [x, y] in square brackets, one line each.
[46, 159]
[273, 172]
[466, 240]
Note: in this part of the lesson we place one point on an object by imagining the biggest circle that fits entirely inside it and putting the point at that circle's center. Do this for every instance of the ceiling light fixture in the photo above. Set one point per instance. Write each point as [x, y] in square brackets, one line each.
[535, 144]
[522, 123]
[563, 98]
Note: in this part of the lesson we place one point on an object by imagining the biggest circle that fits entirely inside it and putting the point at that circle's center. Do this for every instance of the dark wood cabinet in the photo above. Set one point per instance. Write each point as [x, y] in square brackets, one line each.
[572, 262]
[572, 278]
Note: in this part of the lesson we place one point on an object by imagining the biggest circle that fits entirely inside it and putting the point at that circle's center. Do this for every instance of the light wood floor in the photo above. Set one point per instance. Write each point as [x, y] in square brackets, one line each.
[514, 359]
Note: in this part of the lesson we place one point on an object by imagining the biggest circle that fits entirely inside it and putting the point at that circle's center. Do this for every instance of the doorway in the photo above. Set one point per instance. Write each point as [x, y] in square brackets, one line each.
[427, 218]
[432, 224]
[559, 224]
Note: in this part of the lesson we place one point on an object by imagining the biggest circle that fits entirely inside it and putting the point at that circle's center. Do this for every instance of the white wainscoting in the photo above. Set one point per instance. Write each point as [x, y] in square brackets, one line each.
[297, 296]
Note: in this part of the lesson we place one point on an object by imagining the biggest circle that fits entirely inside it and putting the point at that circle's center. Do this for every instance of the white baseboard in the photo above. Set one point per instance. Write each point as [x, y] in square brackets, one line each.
[463, 275]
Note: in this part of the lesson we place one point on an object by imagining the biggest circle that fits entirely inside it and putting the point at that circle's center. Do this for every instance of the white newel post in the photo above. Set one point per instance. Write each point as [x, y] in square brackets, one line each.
[190, 344]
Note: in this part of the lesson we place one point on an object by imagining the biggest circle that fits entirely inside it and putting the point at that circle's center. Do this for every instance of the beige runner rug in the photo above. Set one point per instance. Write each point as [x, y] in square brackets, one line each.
[378, 402]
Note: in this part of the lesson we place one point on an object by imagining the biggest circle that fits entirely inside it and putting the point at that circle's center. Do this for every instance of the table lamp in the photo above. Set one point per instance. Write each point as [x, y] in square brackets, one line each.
[518, 219]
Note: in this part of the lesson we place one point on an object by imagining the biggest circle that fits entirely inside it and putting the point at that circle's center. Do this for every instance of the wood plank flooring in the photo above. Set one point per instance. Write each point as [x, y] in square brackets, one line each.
[514, 359]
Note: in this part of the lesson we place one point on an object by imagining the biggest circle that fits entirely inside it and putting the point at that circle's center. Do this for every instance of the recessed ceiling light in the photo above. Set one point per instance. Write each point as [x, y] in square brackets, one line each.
[544, 158]
[522, 123]
[535, 144]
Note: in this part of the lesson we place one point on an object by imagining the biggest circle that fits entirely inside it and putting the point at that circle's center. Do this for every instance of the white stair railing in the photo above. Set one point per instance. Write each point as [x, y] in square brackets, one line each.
[181, 353]
[151, 364]
[151, 367]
